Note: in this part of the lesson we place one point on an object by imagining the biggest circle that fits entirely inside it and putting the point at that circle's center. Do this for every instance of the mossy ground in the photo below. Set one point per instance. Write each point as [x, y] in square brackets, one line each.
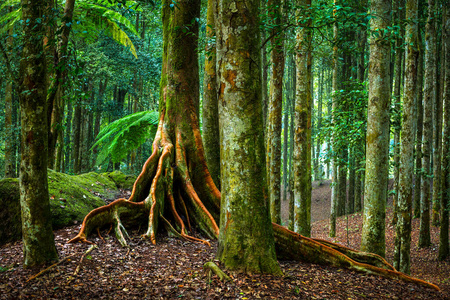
[72, 197]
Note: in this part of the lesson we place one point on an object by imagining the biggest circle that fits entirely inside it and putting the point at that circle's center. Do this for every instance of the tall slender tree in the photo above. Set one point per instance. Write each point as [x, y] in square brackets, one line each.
[38, 243]
[444, 249]
[10, 155]
[274, 119]
[334, 165]
[404, 203]
[302, 146]
[377, 141]
[429, 96]
[419, 132]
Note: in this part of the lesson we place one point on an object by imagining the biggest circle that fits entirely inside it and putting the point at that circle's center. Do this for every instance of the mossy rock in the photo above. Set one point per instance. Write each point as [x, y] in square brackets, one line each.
[121, 180]
[72, 197]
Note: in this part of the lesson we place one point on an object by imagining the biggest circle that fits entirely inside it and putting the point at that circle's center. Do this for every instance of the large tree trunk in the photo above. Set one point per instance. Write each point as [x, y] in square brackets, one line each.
[406, 167]
[273, 139]
[377, 141]
[427, 138]
[38, 243]
[246, 238]
[175, 185]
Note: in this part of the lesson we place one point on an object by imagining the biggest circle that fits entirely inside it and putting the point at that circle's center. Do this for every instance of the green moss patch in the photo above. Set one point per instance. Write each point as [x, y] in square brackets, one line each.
[72, 197]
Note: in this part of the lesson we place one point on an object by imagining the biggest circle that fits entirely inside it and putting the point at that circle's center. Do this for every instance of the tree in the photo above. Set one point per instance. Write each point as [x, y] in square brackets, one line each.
[419, 133]
[444, 251]
[302, 124]
[429, 97]
[274, 118]
[38, 243]
[10, 155]
[210, 104]
[176, 175]
[398, 11]
[406, 167]
[377, 141]
[246, 238]
[334, 165]
[56, 90]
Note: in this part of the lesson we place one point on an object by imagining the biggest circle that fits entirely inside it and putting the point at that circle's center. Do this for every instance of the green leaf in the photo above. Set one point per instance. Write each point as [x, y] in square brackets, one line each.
[124, 135]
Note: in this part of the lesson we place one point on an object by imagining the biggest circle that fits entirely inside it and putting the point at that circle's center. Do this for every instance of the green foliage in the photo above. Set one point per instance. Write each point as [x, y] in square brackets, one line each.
[104, 17]
[124, 135]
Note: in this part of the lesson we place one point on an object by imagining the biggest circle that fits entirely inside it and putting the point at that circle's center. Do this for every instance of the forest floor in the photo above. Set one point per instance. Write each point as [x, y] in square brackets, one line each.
[173, 269]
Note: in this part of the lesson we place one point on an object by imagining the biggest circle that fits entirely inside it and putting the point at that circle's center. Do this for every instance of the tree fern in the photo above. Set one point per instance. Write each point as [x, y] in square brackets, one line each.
[98, 17]
[124, 135]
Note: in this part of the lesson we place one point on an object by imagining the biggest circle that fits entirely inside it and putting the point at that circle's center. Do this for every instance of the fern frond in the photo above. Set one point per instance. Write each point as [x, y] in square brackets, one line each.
[9, 3]
[120, 36]
[124, 135]
[109, 21]
[11, 18]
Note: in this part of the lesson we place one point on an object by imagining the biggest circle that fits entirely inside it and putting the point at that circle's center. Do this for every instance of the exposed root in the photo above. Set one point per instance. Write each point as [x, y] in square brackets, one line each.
[75, 273]
[362, 257]
[292, 246]
[212, 267]
[105, 215]
[49, 268]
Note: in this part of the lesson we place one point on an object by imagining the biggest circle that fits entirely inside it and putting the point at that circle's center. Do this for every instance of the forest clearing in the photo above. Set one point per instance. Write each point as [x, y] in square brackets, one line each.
[173, 269]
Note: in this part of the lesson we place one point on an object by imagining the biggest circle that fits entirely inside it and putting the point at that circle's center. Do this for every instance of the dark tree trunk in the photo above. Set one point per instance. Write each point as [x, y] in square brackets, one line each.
[444, 251]
[38, 243]
[427, 138]
[419, 132]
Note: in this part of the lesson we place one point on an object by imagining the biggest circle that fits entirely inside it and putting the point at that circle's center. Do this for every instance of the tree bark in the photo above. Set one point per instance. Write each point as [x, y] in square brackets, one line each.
[56, 88]
[274, 117]
[396, 117]
[444, 249]
[419, 132]
[210, 110]
[38, 243]
[427, 138]
[302, 137]
[377, 141]
[10, 153]
[402, 251]
[334, 164]
[246, 238]
[437, 141]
